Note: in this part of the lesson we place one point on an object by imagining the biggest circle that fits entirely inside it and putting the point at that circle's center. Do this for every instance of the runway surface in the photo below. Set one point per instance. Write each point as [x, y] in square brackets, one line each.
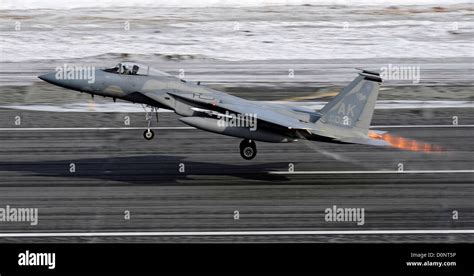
[117, 171]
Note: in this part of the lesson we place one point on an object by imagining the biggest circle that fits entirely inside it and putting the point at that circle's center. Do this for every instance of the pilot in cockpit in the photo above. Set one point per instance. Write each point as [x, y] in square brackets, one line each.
[125, 70]
[135, 69]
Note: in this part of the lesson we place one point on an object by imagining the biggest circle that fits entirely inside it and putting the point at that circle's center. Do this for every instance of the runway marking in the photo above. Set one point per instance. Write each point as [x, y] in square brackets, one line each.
[187, 127]
[234, 233]
[420, 126]
[90, 128]
[372, 172]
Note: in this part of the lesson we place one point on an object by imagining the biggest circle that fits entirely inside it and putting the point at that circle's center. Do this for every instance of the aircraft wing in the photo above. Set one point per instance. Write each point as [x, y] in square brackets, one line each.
[263, 112]
[268, 115]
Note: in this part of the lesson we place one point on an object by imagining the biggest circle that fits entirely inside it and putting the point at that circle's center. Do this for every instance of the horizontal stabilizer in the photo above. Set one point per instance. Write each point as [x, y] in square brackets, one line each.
[371, 77]
[368, 72]
[364, 141]
[378, 132]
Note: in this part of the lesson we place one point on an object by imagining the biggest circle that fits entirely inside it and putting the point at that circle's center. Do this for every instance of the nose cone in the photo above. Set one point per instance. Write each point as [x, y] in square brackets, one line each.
[49, 77]
[69, 83]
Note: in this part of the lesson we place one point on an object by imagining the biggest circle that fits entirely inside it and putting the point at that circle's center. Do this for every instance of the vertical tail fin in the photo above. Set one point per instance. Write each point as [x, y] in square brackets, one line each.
[349, 114]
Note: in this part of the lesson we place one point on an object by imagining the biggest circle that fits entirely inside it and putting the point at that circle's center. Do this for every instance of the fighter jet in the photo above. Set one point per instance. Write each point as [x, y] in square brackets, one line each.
[345, 119]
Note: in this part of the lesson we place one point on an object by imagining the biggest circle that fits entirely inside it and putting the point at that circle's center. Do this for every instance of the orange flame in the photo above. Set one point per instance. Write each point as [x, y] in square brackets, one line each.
[404, 143]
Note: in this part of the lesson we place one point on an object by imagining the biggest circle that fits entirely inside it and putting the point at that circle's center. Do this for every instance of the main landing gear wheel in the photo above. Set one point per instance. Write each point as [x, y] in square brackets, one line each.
[248, 149]
[148, 134]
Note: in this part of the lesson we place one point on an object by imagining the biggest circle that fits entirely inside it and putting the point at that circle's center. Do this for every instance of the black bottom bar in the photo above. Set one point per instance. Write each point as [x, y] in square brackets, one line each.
[350, 258]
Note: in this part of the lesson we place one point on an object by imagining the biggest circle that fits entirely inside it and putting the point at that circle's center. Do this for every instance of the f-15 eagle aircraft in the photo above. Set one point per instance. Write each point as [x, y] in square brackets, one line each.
[345, 119]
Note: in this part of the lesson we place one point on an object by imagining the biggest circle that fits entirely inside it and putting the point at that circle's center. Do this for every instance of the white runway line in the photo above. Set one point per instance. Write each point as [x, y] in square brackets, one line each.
[420, 126]
[127, 107]
[373, 172]
[88, 128]
[188, 128]
[234, 233]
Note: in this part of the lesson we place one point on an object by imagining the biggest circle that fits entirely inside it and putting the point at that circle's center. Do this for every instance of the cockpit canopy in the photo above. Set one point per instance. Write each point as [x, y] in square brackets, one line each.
[131, 68]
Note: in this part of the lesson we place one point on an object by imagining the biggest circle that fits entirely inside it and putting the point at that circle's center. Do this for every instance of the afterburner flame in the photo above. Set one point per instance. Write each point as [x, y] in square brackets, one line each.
[404, 143]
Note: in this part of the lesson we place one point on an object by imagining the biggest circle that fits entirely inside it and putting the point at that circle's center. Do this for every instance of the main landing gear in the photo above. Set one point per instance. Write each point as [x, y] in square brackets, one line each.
[149, 133]
[248, 149]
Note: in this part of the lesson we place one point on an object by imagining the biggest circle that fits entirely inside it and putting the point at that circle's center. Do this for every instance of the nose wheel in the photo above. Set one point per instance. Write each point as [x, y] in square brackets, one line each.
[148, 134]
[248, 149]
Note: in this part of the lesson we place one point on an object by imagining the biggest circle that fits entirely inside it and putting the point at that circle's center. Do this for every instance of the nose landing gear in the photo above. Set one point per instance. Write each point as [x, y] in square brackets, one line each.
[248, 149]
[149, 133]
